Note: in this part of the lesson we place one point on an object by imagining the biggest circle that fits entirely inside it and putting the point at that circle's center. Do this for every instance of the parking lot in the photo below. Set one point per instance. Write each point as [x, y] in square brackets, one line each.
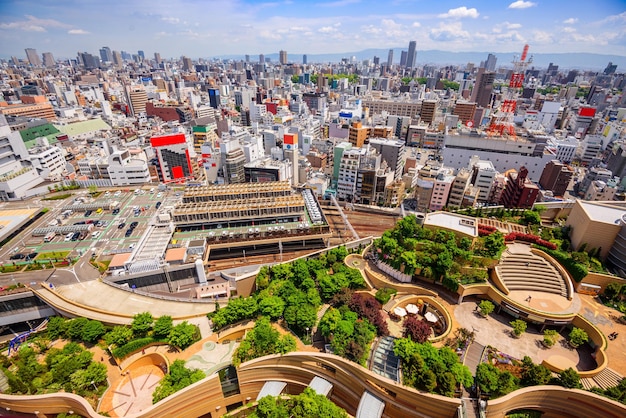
[104, 236]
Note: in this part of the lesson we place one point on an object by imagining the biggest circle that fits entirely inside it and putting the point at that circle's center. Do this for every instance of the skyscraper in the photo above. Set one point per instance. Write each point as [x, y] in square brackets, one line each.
[262, 58]
[48, 59]
[403, 59]
[117, 59]
[105, 54]
[490, 64]
[390, 58]
[142, 55]
[157, 57]
[33, 58]
[411, 55]
[283, 57]
[481, 94]
[304, 59]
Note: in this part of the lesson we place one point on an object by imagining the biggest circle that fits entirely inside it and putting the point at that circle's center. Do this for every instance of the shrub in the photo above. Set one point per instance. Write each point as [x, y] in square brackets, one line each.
[133, 346]
[519, 327]
[418, 330]
[549, 337]
[367, 307]
[533, 239]
[384, 295]
[578, 337]
[486, 307]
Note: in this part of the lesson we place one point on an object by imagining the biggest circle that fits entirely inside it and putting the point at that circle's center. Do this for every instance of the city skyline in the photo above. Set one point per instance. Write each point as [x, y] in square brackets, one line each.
[178, 28]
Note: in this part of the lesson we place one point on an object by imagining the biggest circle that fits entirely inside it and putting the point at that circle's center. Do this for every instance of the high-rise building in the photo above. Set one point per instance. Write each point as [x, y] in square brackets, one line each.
[105, 54]
[262, 58]
[214, 98]
[117, 59]
[142, 55]
[358, 134]
[411, 55]
[157, 58]
[556, 177]
[48, 59]
[465, 111]
[304, 59]
[172, 153]
[137, 97]
[188, 64]
[390, 58]
[519, 191]
[483, 88]
[490, 64]
[33, 58]
[403, 59]
[392, 151]
[283, 57]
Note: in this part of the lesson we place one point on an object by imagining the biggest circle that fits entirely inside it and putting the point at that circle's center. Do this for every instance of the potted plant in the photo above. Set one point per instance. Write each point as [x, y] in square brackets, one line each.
[577, 337]
[485, 308]
[549, 337]
[519, 327]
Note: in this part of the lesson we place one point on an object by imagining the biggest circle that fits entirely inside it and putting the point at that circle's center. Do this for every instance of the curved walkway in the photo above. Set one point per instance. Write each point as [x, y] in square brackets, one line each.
[96, 300]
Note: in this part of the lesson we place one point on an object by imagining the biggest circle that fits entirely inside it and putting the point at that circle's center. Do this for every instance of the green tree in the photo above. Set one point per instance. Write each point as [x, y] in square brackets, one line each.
[92, 331]
[300, 317]
[93, 189]
[57, 327]
[119, 335]
[178, 378]
[519, 327]
[530, 217]
[272, 306]
[569, 378]
[263, 340]
[486, 307]
[534, 374]
[308, 404]
[163, 326]
[183, 335]
[142, 324]
[76, 327]
[577, 337]
[295, 79]
[487, 378]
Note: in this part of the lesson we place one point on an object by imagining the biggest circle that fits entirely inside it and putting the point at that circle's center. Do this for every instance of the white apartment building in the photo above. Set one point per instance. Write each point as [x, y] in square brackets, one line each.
[348, 173]
[47, 159]
[484, 175]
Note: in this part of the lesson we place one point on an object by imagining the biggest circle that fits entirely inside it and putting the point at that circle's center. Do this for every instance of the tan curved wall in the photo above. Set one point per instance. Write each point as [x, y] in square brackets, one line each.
[433, 302]
[495, 276]
[349, 381]
[235, 331]
[379, 281]
[556, 402]
[151, 359]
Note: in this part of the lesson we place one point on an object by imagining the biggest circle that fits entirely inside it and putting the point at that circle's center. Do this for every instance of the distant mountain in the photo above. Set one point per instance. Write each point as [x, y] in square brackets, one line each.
[568, 60]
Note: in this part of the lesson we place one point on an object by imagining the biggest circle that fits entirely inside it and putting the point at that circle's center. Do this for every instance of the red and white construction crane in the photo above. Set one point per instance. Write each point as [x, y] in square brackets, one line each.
[503, 124]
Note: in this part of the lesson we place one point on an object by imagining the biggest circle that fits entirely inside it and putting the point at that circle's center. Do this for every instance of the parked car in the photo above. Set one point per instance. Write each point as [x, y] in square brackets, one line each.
[158, 205]
[75, 236]
[122, 225]
[31, 256]
[116, 211]
[88, 213]
[17, 256]
[129, 232]
[133, 225]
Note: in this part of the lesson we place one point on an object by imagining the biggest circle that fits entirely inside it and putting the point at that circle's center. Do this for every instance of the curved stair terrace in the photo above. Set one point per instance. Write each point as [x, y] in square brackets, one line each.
[523, 270]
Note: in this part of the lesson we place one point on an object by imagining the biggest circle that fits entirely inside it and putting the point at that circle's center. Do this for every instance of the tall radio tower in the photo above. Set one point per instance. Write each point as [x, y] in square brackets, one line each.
[503, 123]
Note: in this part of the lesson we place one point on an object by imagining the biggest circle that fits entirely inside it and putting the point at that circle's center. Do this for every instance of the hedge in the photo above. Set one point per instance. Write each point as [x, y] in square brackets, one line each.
[534, 239]
[135, 345]
[577, 270]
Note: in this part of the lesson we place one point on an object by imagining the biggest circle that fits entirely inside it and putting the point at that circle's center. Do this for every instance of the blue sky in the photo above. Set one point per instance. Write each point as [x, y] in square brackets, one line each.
[207, 28]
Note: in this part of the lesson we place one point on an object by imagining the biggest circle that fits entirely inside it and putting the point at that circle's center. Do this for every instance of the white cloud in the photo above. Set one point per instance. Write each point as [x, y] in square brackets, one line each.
[570, 21]
[172, 20]
[34, 24]
[568, 29]
[77, 32]
[449, 32]
[327, 29]
[461, 12]
[521, 4]
[416, 25]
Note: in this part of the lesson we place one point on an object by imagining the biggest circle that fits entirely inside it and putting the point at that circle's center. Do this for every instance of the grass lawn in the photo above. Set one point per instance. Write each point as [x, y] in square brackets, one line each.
[51, 255]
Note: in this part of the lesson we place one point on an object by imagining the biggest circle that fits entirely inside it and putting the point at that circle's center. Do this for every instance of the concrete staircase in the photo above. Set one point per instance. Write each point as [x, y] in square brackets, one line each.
[605, 379]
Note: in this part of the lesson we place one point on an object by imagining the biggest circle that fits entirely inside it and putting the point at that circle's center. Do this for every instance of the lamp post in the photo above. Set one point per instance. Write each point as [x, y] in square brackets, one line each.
[94, 386]
[307, 334]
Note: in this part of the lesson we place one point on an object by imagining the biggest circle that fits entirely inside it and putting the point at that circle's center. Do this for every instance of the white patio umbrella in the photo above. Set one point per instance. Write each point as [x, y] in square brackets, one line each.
[412, 309]
[430, 317]
[401, 312]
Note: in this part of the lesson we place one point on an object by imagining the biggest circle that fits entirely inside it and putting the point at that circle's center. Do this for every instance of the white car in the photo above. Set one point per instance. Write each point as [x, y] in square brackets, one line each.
[69, 236]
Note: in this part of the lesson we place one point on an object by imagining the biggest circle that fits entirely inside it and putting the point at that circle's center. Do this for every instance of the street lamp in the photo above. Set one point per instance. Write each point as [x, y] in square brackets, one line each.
[94, 386]
[307, 334]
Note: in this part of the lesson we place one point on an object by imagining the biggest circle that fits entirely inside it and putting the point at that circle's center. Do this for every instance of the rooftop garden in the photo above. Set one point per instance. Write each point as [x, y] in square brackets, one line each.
[438, 254]
[293, 292]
